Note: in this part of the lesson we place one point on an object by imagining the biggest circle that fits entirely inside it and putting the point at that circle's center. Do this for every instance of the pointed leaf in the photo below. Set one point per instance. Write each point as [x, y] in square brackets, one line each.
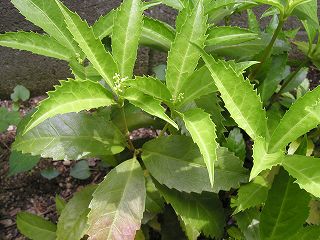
[19, 162]
[229, 35]
[47, 15]
[118, 203]
[65, 137]
[150, 86]
[286, 205]
[263, 160]
[252, 194]
[302, 116]
[72, 223]
[35, 227]
[167, 157]
[232, 86]
[305, 170]
[201, 212]
[183, 56]
[92, 47]
[200, 83]
[36, 43]
[203, 133]
[148, 104]
[126, 32]
[71, 96]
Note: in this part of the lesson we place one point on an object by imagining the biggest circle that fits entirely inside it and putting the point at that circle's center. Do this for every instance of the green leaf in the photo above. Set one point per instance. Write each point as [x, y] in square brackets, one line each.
[183, 56]
[253, 24]
[65, 137]
[160, 72]
[251, 194]
[249, 221]
[200, 83]
[126, 32]
[72, 223]
[70, 96]
[263, 160]
[170, 226]
[286, 205]
[60, 204]
[150, 86]
[307, 233]
[47, 15]
[308, 12]
[80, 170]
[102, 60]
[276, 3]
[19, 162]
[203, 133]
[148, 104]
[35, 227]
[36, 43]
[274, 115]
[273, 74]
[103, 26]
[305, 170]
[8, 118]
[202, 213]
[302, 116]
[236, 144]
[167, 157]
[118, 203]
[154, 201]
[229, 35]
[50, 173]
[232, 86]
[20, 93]
[156, 34]
[297, 79]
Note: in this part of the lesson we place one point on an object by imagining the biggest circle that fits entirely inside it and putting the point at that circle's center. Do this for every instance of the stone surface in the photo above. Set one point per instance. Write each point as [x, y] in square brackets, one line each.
[39, 74]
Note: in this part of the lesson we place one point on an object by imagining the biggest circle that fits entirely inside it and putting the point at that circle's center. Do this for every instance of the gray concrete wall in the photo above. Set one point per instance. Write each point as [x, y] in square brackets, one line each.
[39, 73]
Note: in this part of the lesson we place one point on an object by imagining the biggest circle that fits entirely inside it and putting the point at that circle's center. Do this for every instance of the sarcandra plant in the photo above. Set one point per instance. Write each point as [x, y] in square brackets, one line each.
[196, 164]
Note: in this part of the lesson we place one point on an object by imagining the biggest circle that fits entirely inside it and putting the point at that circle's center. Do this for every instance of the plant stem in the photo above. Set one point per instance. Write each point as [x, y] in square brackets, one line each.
[163, 130]
[267, 51]
[127, 133]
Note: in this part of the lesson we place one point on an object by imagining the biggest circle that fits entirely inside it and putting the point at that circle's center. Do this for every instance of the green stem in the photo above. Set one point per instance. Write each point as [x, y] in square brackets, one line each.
[267, 51]
[127, 133]
[163, 130]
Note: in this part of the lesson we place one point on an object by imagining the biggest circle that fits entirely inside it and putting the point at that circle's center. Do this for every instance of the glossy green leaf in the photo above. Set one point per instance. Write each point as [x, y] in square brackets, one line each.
[200, 83]
[302, 116]
[35, 227]
[8, 118]
[263, 160]
[183, 56]
[203, 133]
[35, 43]
[286, 205]
[305, 170]
[70, 96]
[126, 32]
[118, 203]
[229, 35]
[249, 221]
[72, 223]
[80, 170]
[19, 162]
[47, 15]
[251, 194]
[64, 137]
[148, 104]
[201, 212]
[236, 144]
[94, 50]
[167, 157]
[150, 86]
[232, 86]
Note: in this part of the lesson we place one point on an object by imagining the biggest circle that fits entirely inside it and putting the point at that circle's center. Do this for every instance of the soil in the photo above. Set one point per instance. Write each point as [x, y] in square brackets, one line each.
[31, 192]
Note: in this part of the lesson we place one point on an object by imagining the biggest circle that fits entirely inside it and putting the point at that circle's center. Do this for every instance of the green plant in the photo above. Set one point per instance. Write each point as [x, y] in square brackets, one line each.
[194, 164]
